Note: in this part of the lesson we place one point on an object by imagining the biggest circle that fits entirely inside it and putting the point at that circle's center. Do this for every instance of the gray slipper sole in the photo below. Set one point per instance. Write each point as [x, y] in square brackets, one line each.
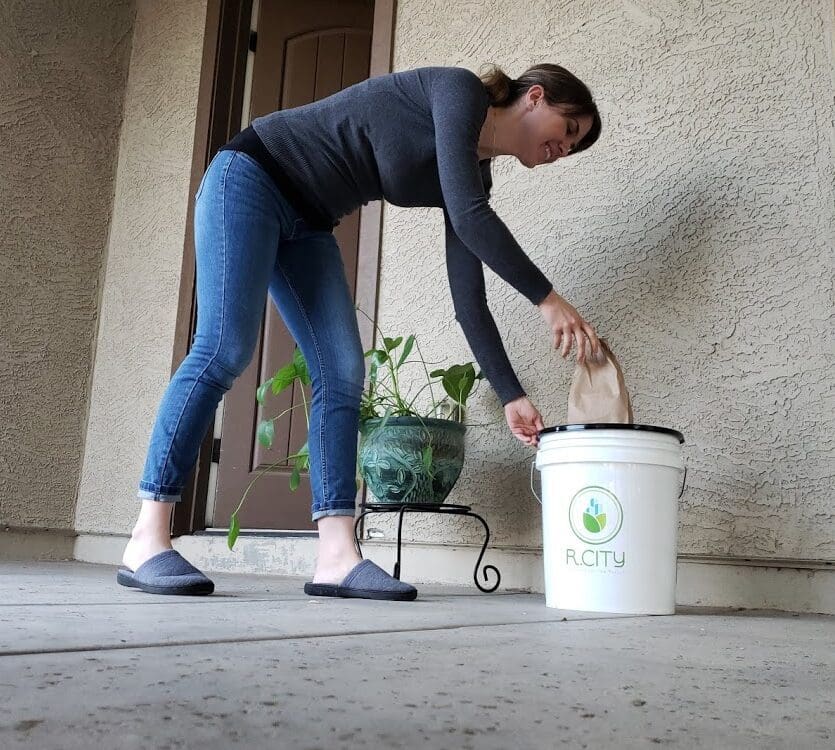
[167, 573]
[365, 581]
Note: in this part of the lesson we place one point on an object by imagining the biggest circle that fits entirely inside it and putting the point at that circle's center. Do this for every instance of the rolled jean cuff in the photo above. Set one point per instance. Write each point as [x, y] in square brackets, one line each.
[159, 496]
[333, 512]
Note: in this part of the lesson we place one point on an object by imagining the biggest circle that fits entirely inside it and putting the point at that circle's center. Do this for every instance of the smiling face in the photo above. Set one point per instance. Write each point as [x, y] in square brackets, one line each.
[545, 133]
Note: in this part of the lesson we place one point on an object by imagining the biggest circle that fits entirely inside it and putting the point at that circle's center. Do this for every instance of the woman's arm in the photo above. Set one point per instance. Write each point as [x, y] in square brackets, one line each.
[455, 96]
[469, 299]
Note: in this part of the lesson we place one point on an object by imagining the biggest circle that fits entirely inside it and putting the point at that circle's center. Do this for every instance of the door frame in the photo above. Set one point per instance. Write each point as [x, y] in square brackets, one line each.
[219, 105]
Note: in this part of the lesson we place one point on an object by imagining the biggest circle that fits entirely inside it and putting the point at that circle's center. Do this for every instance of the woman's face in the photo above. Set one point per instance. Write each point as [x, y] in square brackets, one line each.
[546, 133]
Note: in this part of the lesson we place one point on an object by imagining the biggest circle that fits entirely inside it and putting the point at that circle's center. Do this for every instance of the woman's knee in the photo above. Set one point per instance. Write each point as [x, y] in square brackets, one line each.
[353, 365]
[346, 369]
[223, 364]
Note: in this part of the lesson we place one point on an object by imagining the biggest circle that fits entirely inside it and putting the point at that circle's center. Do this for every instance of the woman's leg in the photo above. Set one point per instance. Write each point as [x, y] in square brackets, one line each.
[312, 295]
[239, 220]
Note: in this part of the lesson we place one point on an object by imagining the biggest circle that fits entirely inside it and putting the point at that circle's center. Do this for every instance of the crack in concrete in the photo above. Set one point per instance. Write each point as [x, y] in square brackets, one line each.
[305, 637]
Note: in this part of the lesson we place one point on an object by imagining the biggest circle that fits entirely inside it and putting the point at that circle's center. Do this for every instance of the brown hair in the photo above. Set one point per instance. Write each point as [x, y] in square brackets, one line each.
[562, 89]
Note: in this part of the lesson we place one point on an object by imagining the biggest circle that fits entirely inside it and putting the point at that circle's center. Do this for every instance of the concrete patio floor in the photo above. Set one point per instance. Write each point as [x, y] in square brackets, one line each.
[85, 663]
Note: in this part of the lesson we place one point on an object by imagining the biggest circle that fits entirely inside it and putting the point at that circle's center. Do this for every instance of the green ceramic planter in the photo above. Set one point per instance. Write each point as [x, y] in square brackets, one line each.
[391, 462]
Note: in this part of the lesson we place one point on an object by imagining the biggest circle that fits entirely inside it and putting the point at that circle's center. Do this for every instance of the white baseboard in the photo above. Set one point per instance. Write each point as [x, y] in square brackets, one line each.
[794, 586]
[36, 544]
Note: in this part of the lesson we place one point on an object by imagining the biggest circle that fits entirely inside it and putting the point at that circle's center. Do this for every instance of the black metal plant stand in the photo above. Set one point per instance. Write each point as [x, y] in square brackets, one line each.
[453, 510]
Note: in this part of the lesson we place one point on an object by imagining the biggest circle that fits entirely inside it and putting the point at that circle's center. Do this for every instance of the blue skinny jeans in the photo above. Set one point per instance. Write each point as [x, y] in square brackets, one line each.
[250, 241]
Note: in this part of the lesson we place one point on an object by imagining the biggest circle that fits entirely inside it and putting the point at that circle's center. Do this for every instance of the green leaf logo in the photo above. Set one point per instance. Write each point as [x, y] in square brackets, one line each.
[594, 524]
[595, 515]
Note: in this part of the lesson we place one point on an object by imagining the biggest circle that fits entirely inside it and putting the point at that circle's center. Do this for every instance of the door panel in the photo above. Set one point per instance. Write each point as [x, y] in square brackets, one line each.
[305, 51]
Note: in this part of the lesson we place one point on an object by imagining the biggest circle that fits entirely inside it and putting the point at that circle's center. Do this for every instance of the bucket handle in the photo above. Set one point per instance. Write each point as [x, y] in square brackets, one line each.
[533, 465]
[683, 483]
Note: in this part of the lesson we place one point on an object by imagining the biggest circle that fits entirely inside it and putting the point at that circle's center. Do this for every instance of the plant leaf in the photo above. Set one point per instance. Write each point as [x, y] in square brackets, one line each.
[300, 366]
[451, 387]
[392, 343]
[303, 456]
[466, 385]
[266, 432]
[407, 349]
[283, 378]
[234, 530]
[301, 463]
[379, 357]
[262, 390]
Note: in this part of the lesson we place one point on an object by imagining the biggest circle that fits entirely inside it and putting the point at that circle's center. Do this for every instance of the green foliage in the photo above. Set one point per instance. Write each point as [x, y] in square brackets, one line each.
[234, 530]
[381, 399]
[266, 432]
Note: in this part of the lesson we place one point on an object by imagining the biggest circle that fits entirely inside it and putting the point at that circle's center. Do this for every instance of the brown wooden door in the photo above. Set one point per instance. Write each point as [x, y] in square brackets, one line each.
[305, 51]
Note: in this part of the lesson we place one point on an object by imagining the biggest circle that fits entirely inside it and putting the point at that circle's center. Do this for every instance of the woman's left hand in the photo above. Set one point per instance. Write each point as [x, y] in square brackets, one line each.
[568, 326]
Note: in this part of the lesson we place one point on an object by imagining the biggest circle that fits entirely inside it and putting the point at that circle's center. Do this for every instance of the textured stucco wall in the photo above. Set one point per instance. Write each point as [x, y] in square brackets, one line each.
[62, 79]
[139, 302]
[697, 236]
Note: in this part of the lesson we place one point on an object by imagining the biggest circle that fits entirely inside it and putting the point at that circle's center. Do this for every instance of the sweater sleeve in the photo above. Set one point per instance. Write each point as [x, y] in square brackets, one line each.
[458, 101]
[469, 299]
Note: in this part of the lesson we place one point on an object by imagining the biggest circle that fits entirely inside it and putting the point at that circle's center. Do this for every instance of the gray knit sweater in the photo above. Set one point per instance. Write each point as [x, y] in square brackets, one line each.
[411, 138]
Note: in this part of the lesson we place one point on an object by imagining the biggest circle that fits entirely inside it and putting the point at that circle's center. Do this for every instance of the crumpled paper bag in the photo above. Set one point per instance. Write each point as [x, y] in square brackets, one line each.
[598, 391]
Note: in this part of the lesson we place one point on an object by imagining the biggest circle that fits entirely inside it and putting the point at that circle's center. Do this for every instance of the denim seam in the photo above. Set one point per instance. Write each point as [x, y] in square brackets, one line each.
[322, 381]
[325, 512]
[165, 489]
[220, 338]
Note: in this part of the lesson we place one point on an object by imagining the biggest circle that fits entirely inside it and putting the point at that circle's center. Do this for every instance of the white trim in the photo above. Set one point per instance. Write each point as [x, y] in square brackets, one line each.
[706, 582]
[36, 544]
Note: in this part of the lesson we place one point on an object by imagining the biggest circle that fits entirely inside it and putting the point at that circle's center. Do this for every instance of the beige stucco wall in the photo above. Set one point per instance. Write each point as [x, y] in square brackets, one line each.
[697, 237]
[139, 303]
[62, 80]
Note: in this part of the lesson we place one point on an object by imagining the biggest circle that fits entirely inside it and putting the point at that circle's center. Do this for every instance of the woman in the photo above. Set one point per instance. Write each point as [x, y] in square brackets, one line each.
[263, 219]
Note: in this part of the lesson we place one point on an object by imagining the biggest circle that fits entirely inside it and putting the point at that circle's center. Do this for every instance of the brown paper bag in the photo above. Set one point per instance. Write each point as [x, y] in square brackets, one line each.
[598, 391]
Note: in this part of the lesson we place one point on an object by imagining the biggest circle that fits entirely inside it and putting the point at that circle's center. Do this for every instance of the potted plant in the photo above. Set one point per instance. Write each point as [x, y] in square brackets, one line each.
[406, 454]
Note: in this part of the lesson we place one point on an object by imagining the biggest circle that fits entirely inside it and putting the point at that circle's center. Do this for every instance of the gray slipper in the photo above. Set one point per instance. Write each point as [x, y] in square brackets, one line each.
[365, 581]
[166, 573]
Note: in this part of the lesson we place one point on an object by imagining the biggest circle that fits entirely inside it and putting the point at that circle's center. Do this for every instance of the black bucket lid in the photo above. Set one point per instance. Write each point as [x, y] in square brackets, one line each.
[613, 426]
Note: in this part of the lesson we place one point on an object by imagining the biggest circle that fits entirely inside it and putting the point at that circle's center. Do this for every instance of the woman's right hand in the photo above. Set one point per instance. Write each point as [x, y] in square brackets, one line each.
[567, 326]
[524, 420]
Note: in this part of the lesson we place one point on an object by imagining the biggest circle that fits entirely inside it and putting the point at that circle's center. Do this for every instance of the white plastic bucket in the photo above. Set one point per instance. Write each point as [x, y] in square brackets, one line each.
[610, 516]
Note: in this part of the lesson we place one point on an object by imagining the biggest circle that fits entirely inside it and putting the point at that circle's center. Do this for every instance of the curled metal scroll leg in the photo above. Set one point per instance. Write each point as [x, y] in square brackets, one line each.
[487, 568]
[399, 539]
[356, 530]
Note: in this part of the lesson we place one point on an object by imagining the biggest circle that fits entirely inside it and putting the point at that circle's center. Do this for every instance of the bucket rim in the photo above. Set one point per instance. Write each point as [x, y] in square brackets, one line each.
[614, 426]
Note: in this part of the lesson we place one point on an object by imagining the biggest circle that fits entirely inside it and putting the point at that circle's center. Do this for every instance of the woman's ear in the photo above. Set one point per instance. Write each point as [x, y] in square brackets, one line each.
[534, 96]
